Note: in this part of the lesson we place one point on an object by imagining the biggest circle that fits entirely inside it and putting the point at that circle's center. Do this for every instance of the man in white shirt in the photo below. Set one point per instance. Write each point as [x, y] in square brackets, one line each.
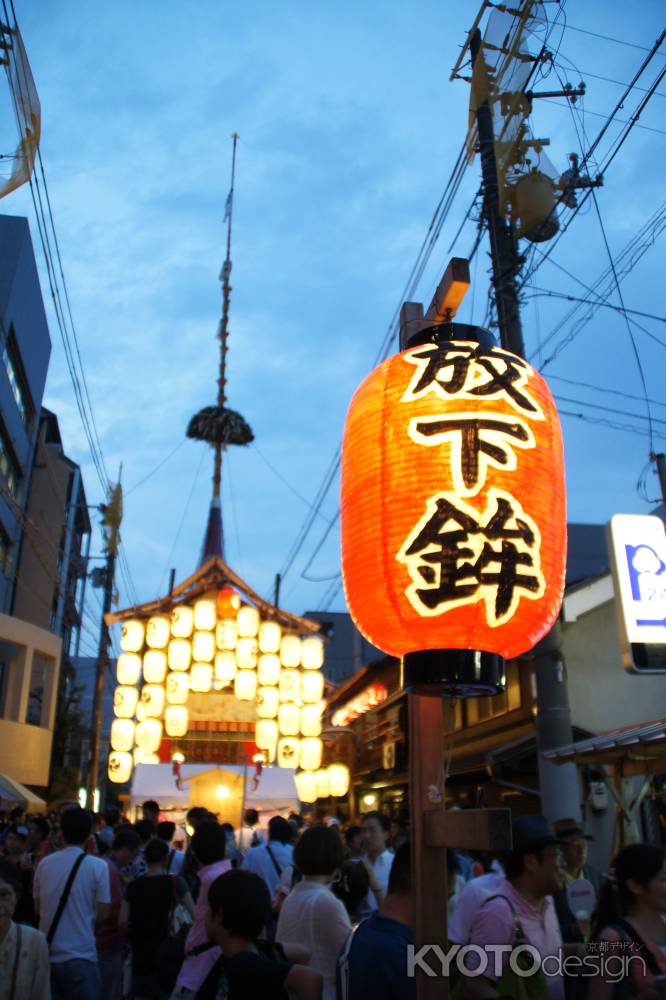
[269, 860]
[74, 969]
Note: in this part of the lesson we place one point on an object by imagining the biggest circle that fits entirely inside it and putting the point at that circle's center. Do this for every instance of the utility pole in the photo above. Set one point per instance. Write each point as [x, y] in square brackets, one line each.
[503, 251]
[112, 512]
[559, 784]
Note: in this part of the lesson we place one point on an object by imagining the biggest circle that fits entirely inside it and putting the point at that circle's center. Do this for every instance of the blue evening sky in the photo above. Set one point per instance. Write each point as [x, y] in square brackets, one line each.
[349, 131]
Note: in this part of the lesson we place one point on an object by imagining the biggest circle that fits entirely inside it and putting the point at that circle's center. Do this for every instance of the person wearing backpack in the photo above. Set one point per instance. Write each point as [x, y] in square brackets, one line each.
[521, 912]
[631, 920]
[269, 860]
[71, 891]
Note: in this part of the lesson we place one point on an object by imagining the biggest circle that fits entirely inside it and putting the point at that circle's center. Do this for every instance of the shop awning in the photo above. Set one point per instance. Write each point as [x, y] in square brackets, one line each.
[13, 793]
[635, 749]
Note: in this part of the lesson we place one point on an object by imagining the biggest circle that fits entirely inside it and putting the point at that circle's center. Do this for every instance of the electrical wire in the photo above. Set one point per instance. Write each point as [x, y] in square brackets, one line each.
[608, 38]
[149, 475]
[182, 520]
[632, 339]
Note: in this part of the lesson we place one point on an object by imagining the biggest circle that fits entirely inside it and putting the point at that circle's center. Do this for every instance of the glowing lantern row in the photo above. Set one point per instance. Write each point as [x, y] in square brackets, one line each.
[464, 530]
[320, 784]
[290, 750]
[143, 757]
[201, 677]
[158, 632]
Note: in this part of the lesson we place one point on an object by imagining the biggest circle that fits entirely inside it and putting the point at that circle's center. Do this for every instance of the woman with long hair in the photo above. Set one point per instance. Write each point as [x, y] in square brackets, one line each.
[631, 918]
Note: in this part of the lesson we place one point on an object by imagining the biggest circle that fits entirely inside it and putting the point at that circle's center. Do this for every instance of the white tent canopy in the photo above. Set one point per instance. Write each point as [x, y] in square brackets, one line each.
[276, 788]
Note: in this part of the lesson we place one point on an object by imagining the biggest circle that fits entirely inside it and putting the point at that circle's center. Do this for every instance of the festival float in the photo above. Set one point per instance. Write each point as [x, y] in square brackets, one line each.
[213, 678]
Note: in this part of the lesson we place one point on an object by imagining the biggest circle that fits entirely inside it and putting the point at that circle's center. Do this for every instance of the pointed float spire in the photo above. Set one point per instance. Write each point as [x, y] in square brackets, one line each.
[218, 425]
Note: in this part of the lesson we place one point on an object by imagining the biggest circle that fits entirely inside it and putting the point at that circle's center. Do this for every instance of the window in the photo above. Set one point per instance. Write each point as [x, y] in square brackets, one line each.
[17, 380]
[38, 690]
[9, 467]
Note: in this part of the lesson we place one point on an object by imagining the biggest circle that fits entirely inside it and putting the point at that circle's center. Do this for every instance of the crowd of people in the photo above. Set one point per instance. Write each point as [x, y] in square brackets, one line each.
[93, 907]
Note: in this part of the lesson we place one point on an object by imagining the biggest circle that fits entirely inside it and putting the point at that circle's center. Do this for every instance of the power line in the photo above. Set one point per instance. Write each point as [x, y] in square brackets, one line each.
[599, 388]
[608, 38]
[598, 114]
[159, 465]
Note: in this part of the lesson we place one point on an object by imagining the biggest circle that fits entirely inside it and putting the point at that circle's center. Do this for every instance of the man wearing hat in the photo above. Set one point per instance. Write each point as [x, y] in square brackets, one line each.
[533, 874]
[573, 842]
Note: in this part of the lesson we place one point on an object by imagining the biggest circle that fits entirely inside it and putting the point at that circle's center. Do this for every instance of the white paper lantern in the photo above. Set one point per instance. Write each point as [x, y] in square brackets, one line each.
[155, 666]
[119, 767]
[180, 654]
[205, 614]
[143, 757]
[311, 720]
[158, 631]
[176, 720]
[266, 735]
[287, 751]
[177, 688]
[124, 702]
[268, 669]
[247, 620]
[201, 677]
[338, 778]
[152, 700]
[225, 666]
[132, 635]
[182, 622]
[290, 685]
[203, 646]
[268, 702]
[312, 652]
[270, 636]
[310, 753]
[306, 786]
[122, 734]
[323, 784]
[247, 651]
[289, 719]
[128, 668]
[290, 651]
[149, 735]
[226, 634]
[312, 686]
[245, 685]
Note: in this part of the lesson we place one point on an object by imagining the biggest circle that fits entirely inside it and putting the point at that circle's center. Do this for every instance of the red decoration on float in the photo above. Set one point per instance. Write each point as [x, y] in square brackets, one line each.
[228, 602]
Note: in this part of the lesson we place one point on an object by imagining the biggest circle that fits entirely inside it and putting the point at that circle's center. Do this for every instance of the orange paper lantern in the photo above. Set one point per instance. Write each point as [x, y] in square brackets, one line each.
[453, 503]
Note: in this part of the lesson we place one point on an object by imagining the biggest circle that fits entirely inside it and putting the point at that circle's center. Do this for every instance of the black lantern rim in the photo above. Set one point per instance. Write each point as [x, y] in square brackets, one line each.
[453, 673]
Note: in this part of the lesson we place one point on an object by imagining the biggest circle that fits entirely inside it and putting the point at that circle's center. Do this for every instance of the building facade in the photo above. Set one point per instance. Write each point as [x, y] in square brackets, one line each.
[26, 348]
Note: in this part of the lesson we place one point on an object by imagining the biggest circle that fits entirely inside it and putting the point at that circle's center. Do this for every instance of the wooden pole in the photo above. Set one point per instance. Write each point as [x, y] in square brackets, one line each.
[426, 745]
